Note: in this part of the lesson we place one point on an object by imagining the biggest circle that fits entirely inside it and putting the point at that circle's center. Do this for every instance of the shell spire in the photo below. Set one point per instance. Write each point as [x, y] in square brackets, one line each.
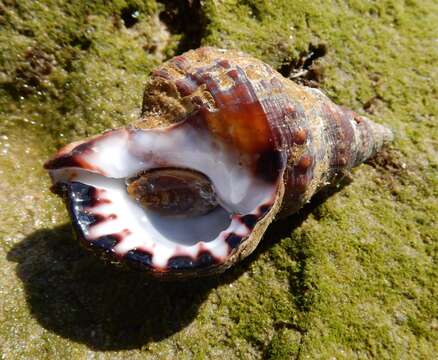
[322, 141]
[223, 146]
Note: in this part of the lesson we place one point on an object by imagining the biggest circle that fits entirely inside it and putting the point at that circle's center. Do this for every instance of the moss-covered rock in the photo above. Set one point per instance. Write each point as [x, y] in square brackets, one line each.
[355, 275]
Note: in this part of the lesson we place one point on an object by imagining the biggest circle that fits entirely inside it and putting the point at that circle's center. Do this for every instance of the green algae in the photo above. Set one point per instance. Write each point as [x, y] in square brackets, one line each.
[355, 275]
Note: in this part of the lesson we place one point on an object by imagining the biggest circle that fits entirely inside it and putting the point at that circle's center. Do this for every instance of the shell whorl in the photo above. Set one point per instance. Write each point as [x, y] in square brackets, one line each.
[318, 138]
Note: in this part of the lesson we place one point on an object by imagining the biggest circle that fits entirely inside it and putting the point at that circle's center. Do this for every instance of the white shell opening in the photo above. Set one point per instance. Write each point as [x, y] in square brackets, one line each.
[108, 160]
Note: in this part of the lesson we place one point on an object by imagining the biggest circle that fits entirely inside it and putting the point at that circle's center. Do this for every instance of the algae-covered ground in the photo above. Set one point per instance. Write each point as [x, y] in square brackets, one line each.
[354, 275]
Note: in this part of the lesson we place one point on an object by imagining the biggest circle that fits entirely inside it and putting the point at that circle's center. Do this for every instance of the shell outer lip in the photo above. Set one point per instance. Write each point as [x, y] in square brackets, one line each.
[79, 196]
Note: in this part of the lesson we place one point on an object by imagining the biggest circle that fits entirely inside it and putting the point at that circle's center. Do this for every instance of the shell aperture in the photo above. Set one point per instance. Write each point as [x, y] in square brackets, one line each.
[224, 145]
[119, 221]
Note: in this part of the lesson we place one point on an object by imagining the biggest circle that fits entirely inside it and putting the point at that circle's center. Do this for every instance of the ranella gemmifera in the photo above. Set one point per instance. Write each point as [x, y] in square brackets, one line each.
[224, 145]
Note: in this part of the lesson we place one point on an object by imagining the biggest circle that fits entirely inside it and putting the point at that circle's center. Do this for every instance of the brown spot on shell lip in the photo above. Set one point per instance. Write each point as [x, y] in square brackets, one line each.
[184, 262]
[249, 221]
[99, 218]
[104, 243]
[74, 156]
[264, 209]
[233, 240]
[139, 258]
[68, 160]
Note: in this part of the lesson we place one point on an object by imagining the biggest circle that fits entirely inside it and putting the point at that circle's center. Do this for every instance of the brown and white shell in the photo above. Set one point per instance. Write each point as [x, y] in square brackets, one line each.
[265, 144]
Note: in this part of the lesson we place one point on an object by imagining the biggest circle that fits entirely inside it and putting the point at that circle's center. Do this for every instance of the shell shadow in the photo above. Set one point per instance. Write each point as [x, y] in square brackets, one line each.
[78, 297]
[107, 308]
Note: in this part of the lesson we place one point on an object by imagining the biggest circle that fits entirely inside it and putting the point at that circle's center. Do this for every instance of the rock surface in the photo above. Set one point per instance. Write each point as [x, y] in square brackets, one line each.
[353, 275]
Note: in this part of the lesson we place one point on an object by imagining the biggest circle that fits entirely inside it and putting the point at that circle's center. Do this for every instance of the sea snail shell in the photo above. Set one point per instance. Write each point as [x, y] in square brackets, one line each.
[235, 132]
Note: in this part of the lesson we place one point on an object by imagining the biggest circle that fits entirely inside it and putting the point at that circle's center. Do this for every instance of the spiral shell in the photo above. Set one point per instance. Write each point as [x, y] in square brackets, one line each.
[266, 144]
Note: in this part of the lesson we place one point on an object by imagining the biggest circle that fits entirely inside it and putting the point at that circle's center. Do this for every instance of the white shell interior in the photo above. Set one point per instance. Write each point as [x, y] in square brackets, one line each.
[123, 153]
